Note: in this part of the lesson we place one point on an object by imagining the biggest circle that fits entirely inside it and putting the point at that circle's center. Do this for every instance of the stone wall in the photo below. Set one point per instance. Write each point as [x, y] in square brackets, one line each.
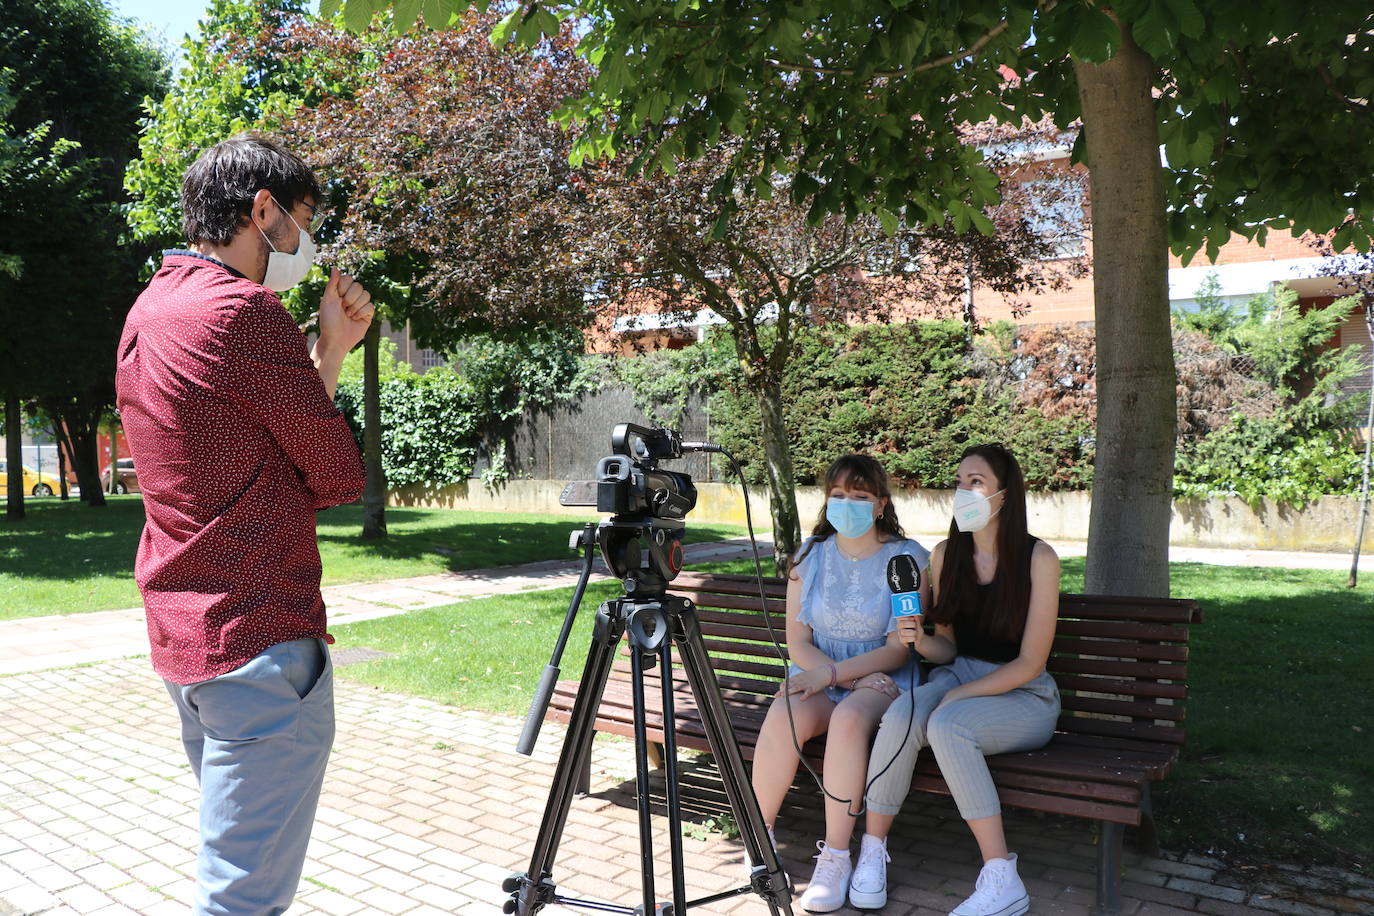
[1326, 524]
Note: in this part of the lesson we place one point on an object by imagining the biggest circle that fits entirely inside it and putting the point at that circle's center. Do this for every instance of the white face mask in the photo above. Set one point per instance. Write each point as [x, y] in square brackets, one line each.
[286, 270]
[972, 510]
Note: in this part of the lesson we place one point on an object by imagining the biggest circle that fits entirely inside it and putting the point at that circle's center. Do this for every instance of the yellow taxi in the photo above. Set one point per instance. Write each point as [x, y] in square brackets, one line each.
[37, 484]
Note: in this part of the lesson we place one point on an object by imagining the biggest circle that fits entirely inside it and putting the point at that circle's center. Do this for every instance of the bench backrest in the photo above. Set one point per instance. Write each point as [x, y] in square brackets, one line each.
[1121, 663]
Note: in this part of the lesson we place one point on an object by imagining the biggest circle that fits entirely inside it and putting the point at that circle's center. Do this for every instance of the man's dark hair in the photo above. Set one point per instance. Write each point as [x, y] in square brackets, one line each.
[217, 192]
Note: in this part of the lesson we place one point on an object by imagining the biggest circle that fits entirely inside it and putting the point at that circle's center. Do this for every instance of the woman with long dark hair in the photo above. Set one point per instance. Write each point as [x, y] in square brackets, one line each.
[846, 661]
[996, 604]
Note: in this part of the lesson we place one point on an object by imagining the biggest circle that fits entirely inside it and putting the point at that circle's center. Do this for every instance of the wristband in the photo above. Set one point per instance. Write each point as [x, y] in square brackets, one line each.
[834, 674]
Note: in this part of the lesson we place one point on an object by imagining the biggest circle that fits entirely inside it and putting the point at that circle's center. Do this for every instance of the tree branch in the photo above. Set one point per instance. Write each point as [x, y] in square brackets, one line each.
[971, 51]
[1350, 103]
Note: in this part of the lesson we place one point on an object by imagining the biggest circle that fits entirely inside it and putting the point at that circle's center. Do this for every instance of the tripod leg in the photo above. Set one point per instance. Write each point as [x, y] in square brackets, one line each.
[671, 789]
[642, 793]
[533, 891]
[771, 883]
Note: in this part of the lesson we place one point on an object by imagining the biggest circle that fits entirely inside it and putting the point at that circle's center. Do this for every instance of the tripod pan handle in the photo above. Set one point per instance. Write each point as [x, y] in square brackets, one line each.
[538, 706]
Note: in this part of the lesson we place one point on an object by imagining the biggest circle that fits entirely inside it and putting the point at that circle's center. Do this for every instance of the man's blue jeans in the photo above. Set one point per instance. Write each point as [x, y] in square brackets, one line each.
[258, 739]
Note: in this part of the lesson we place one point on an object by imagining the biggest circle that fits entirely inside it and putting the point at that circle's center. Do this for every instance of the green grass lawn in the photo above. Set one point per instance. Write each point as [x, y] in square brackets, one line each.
[1279, 761]
[66, 558]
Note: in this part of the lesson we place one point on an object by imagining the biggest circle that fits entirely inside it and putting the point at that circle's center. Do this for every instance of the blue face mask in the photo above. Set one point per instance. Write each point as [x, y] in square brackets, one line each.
[851, 517]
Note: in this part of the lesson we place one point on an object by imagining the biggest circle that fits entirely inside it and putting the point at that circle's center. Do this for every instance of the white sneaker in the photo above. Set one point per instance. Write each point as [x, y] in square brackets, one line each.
[868, 886]
[999, 891]
[829, 883]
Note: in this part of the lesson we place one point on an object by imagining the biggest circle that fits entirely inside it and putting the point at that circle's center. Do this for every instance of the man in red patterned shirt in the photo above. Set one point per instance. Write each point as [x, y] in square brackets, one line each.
[232, 426]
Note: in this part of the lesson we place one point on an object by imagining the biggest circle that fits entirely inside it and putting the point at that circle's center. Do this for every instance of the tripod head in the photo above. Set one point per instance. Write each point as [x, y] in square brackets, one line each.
[641, 542]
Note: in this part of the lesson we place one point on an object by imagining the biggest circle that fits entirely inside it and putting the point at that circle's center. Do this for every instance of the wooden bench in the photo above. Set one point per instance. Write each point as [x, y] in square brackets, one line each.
[1121, 666]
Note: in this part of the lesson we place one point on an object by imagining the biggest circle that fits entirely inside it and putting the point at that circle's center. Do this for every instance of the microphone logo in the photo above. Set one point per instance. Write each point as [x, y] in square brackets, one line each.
[904, 582]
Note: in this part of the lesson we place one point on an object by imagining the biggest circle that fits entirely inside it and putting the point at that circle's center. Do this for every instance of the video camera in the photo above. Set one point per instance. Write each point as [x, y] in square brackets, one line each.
[643, 502]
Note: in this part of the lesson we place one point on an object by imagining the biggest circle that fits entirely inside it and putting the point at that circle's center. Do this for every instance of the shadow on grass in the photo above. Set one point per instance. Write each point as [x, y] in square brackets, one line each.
[70, 540]
[456, 540]
[1279, 758]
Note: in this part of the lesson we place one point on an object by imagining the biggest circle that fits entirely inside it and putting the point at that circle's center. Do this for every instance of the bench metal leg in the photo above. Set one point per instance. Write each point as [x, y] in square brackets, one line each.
[1147, 835]
[1109, 837]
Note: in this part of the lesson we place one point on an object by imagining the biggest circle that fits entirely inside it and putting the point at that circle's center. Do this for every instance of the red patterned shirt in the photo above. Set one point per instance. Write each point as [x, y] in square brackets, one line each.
[236, 444]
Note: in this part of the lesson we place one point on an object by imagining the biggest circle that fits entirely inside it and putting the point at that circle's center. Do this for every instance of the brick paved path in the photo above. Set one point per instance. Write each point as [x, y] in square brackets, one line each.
[426, 808]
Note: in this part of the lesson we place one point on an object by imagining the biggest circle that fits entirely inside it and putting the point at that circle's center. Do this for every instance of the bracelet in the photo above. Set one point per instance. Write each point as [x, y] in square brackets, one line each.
[834, 674]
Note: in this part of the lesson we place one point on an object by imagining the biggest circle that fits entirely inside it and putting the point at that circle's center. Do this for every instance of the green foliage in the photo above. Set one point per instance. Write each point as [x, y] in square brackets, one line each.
[1261, 107]
[388, 366]
[1290, 348]
[721, 825]
[539, 368]
[1304, 449]
[430, 425]
[78, 74]
[1214, 318]
[915, 396]
[1268, 457]
[905, 393]
[219, 91]
[663, 380]
[29, 166]
[433, 425]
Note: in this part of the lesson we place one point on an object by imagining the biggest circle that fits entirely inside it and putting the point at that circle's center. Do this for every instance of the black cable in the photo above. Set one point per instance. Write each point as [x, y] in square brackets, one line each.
[772, 634]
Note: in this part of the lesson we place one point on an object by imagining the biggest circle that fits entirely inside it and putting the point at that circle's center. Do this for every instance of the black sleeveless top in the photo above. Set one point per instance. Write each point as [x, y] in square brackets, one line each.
[971, 635]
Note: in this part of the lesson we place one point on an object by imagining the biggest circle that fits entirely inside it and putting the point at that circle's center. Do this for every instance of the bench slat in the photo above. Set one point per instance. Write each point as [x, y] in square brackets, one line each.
[747, 712]
[1116, 648]
[1123, 629]
[748, 602]
[1167, 671]
[1054, 776]
[1052, 804]
[1128, 708]
[1159, 690]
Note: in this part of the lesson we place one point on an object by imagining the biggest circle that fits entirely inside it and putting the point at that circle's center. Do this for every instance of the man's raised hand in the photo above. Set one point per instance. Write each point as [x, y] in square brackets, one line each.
[346, 310]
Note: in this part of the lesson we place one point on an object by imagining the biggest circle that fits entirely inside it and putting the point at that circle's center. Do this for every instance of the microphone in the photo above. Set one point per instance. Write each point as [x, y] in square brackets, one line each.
[701, 447]
[904, 581]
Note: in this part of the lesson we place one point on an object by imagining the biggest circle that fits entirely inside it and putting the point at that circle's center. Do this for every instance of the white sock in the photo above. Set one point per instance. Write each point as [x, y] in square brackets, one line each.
[880, 840]
[842, 853]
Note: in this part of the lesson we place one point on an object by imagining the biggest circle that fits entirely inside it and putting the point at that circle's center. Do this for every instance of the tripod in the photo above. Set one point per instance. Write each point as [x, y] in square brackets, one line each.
[655, 621]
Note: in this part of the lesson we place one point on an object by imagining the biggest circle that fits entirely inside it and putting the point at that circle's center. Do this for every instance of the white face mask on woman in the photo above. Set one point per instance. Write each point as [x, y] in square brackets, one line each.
[972, 510]
[285, 270]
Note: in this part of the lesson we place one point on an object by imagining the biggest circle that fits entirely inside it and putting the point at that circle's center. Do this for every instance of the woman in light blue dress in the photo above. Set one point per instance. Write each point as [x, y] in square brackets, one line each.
[847, 664]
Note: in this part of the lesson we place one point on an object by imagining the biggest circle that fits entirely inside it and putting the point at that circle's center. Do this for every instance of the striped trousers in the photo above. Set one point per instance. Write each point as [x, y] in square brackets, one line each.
[961, 734]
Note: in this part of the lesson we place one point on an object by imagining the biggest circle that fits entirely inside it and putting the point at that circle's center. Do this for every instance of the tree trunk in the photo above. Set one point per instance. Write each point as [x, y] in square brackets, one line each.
[61, 465]
[1364, 465]
[374, 493]
[1128, 535]
[782, 483]
[77, 425]
[14, 458]
[113, 433]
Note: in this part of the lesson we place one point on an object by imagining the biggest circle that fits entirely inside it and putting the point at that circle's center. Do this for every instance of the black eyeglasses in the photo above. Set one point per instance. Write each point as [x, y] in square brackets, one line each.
[316, 220]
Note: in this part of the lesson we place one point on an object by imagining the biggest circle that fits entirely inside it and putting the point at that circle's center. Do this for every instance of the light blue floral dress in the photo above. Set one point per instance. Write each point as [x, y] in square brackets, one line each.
[846, 603]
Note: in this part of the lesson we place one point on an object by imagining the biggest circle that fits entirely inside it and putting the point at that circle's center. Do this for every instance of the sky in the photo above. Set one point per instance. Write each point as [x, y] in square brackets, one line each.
[172, 19]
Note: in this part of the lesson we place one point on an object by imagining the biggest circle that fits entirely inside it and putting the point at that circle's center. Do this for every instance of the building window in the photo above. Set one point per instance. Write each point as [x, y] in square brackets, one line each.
[1055, 212]
[429, 359]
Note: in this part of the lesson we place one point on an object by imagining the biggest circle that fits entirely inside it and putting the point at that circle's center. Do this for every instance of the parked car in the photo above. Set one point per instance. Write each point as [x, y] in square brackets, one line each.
[43, 484]
[128, 477]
